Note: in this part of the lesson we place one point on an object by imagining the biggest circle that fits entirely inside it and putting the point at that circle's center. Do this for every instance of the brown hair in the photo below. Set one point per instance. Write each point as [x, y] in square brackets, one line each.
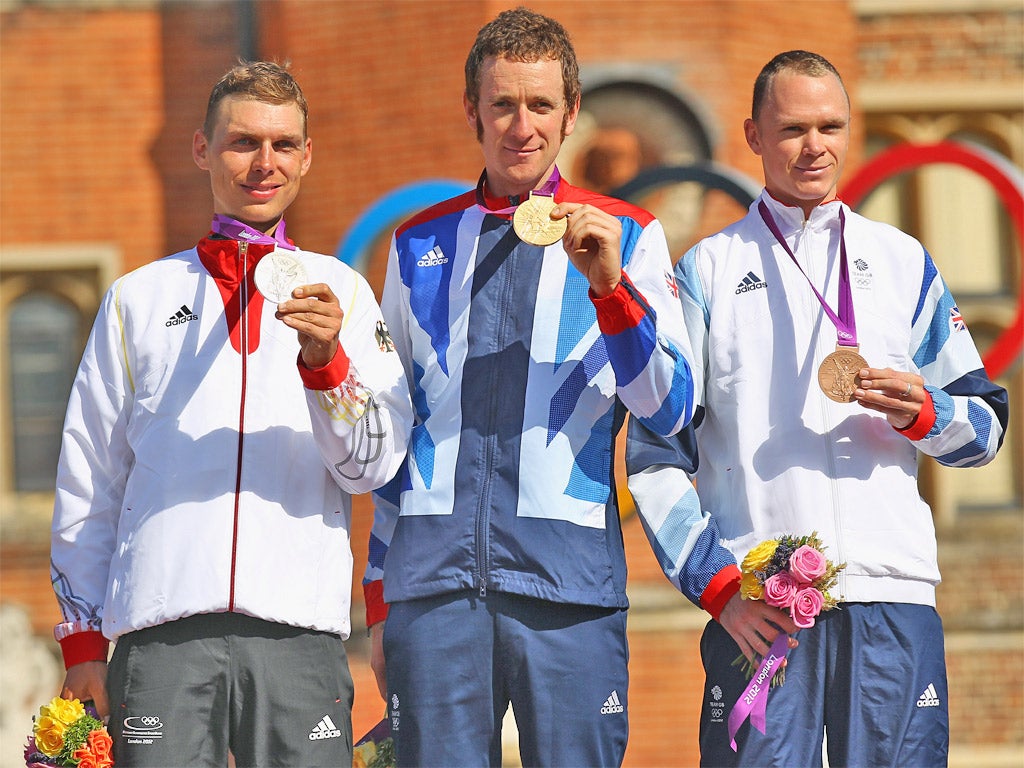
[799, 62]
[523, 35]
[264, 81]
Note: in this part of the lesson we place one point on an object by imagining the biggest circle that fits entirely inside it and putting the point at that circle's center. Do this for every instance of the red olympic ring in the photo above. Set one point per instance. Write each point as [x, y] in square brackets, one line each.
[997, 171]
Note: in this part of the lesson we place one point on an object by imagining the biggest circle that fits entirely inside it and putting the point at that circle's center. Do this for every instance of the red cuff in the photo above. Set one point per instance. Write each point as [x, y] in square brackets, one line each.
[619, 310]
[723, 586]
[376, 608]
[919, 428]
[84, 646]
[328, 376]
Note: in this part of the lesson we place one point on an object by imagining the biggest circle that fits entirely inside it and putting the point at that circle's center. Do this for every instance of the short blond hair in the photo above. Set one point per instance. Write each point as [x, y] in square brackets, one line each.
[265, 81]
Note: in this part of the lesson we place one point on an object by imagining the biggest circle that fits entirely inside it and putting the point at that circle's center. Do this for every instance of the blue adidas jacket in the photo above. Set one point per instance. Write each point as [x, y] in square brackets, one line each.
[520, 382]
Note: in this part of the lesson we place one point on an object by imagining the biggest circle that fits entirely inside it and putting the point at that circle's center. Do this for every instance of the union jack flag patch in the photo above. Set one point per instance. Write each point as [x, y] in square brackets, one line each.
[670, 280]
[956, 320]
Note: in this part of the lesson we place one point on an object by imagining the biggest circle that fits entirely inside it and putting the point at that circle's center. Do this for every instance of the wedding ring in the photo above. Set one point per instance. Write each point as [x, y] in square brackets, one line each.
[905, 395]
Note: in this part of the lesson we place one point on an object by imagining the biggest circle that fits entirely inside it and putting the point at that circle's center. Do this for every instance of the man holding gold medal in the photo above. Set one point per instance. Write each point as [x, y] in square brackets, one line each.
[530, 315]
[830, 352]
[230, 399]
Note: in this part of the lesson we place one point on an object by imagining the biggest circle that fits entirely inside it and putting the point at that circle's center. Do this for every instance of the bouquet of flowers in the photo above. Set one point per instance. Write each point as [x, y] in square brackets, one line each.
[376, 749]
[67, 733]
[791, 573]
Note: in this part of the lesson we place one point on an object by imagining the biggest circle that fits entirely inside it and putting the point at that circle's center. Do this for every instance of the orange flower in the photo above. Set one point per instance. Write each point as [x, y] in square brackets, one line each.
[95, 753]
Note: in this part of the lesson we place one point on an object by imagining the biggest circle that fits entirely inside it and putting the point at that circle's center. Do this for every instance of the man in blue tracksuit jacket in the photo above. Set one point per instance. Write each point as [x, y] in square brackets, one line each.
[785, 450]
[499, 543]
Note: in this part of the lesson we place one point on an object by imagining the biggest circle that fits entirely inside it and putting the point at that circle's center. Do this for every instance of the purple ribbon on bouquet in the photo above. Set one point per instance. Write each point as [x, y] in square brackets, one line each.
[753, 702]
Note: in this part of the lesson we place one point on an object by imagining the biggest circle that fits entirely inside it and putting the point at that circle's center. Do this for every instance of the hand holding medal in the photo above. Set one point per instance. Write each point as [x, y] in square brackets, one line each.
[898, 394]
[316, 314]
[592, 242]
[844, 376]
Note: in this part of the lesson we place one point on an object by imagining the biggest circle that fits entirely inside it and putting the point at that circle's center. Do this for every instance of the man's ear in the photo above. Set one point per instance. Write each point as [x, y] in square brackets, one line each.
[199, 148]
[307, 156]
[752, 136]
[470, 109]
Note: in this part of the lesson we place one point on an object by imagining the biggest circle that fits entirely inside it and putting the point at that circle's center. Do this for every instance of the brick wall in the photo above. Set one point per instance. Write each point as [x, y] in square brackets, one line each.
[978, 46]
[80, 114]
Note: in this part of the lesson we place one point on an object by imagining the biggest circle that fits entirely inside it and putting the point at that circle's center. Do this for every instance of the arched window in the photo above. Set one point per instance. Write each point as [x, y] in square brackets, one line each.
[629, 123]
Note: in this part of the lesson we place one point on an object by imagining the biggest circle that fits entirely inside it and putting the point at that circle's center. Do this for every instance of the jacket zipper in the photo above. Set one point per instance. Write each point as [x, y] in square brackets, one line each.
[829, 449]
[490, 447]
[243, 330]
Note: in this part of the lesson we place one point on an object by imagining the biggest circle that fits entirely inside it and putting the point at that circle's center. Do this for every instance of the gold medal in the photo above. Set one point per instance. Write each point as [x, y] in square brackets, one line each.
[533, 223]
[839, 374]
[278, 274]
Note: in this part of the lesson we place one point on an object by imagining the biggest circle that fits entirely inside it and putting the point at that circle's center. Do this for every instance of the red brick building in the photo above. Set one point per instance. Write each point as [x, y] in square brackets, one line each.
[100, 99]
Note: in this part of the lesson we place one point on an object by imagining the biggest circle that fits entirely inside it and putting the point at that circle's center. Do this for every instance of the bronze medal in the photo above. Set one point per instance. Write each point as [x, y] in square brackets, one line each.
[533, 223]
[839, 374]
[278, 274]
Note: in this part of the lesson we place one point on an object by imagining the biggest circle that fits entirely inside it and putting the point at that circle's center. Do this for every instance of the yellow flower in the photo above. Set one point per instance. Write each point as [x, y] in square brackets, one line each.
[65, 710]
[54, 719]
[750, 587]
[49, 735]
[759, 556]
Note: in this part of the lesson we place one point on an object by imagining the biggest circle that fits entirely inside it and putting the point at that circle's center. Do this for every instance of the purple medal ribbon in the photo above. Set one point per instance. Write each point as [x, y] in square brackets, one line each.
[753, 702]
[547, 189]
[845, 322]
[236, 230]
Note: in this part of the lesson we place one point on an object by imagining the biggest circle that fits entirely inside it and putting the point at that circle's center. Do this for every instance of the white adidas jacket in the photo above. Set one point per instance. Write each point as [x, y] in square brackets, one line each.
[203, 471]
[776, 456]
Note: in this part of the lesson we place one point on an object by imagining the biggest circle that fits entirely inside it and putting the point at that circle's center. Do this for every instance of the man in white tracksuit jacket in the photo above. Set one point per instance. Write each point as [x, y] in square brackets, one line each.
[778, 456]
[212, 441]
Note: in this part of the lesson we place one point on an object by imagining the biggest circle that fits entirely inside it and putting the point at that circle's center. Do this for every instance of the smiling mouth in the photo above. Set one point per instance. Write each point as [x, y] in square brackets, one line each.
[261, 191]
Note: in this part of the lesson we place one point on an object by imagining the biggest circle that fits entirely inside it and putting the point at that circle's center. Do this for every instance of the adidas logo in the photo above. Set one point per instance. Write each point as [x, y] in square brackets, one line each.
[433, 259]
[325, 729]
[612, 706]
[183, 315]
[929, 698]
[750, 283]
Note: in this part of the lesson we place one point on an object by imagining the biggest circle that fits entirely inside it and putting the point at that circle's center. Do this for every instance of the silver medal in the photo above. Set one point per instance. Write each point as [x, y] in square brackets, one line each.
[278, 274]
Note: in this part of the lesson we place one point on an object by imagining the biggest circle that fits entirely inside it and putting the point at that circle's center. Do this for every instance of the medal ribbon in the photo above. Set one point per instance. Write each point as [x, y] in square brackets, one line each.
[845, 322]
[547, 189]
[753, 702]
[236, 230]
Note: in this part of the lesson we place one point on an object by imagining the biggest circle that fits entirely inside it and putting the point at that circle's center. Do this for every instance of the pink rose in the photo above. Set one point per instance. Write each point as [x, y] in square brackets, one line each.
[780, 589]
[806, 605]
[807, 564]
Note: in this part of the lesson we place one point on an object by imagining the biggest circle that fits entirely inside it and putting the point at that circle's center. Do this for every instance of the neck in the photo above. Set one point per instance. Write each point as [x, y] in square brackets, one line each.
[546, 184]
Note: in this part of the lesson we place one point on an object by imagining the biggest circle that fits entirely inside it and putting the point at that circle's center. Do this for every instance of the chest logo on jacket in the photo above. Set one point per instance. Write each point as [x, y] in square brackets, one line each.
[751, 282]
[862, 278]
[181, 316]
